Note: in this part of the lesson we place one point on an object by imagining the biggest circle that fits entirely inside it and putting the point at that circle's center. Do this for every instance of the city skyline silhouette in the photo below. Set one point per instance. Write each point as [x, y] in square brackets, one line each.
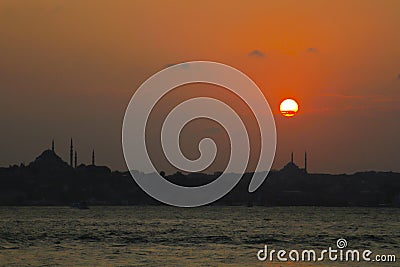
[50, 180]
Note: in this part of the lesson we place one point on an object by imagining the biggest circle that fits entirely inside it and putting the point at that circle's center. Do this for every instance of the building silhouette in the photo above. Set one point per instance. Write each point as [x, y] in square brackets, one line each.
[292, 168]
[50, 156]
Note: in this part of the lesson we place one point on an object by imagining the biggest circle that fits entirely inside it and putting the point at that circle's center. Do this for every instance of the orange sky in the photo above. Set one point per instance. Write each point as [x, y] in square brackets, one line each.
[69, 68]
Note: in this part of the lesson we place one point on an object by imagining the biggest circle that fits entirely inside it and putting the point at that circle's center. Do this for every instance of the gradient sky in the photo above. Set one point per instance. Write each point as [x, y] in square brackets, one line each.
[69, 68]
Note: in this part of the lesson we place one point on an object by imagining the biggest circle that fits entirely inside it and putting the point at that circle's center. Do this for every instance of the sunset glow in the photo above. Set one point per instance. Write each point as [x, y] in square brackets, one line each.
[339, 60]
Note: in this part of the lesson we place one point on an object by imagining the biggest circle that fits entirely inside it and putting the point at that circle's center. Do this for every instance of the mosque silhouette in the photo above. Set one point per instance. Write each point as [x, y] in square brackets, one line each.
[49, 160]
[293, 168]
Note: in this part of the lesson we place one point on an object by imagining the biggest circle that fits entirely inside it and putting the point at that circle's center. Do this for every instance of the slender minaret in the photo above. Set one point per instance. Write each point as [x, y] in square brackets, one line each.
[76, 159]
[292, 158]
[305, 161]
[93, 162]
[52, 146]
[71, 153]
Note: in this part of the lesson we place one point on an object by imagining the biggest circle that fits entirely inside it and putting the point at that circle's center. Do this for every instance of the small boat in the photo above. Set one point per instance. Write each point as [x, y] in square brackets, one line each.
[82, 205]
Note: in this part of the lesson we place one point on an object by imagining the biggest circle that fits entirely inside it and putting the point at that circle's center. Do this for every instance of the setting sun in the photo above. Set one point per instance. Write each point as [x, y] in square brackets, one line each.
[289, 107]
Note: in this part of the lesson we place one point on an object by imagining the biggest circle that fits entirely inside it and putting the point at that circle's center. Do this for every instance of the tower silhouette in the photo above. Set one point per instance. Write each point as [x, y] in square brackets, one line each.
[71, 153]
[76, 159]
[52, 146]
[93, 158]
[292, 159]
[305, 161]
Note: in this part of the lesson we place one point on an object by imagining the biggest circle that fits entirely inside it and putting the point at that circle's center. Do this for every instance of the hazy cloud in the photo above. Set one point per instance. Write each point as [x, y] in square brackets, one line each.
[365, 98]
[256, 53]
[344, 96]
[398, 77]
[312, 50]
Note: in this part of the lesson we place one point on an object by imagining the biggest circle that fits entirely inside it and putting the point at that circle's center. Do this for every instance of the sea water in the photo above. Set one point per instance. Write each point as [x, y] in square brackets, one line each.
[206, 236]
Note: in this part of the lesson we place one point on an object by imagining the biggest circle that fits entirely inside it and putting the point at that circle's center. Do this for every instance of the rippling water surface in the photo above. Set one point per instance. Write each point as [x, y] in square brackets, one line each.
[167, 236]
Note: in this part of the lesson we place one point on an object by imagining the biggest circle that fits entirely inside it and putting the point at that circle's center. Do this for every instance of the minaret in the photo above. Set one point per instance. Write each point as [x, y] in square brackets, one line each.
[93, 162]
[71, 153]
[52, 146]
[305, 161]
[76, 159]
[292, 158]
